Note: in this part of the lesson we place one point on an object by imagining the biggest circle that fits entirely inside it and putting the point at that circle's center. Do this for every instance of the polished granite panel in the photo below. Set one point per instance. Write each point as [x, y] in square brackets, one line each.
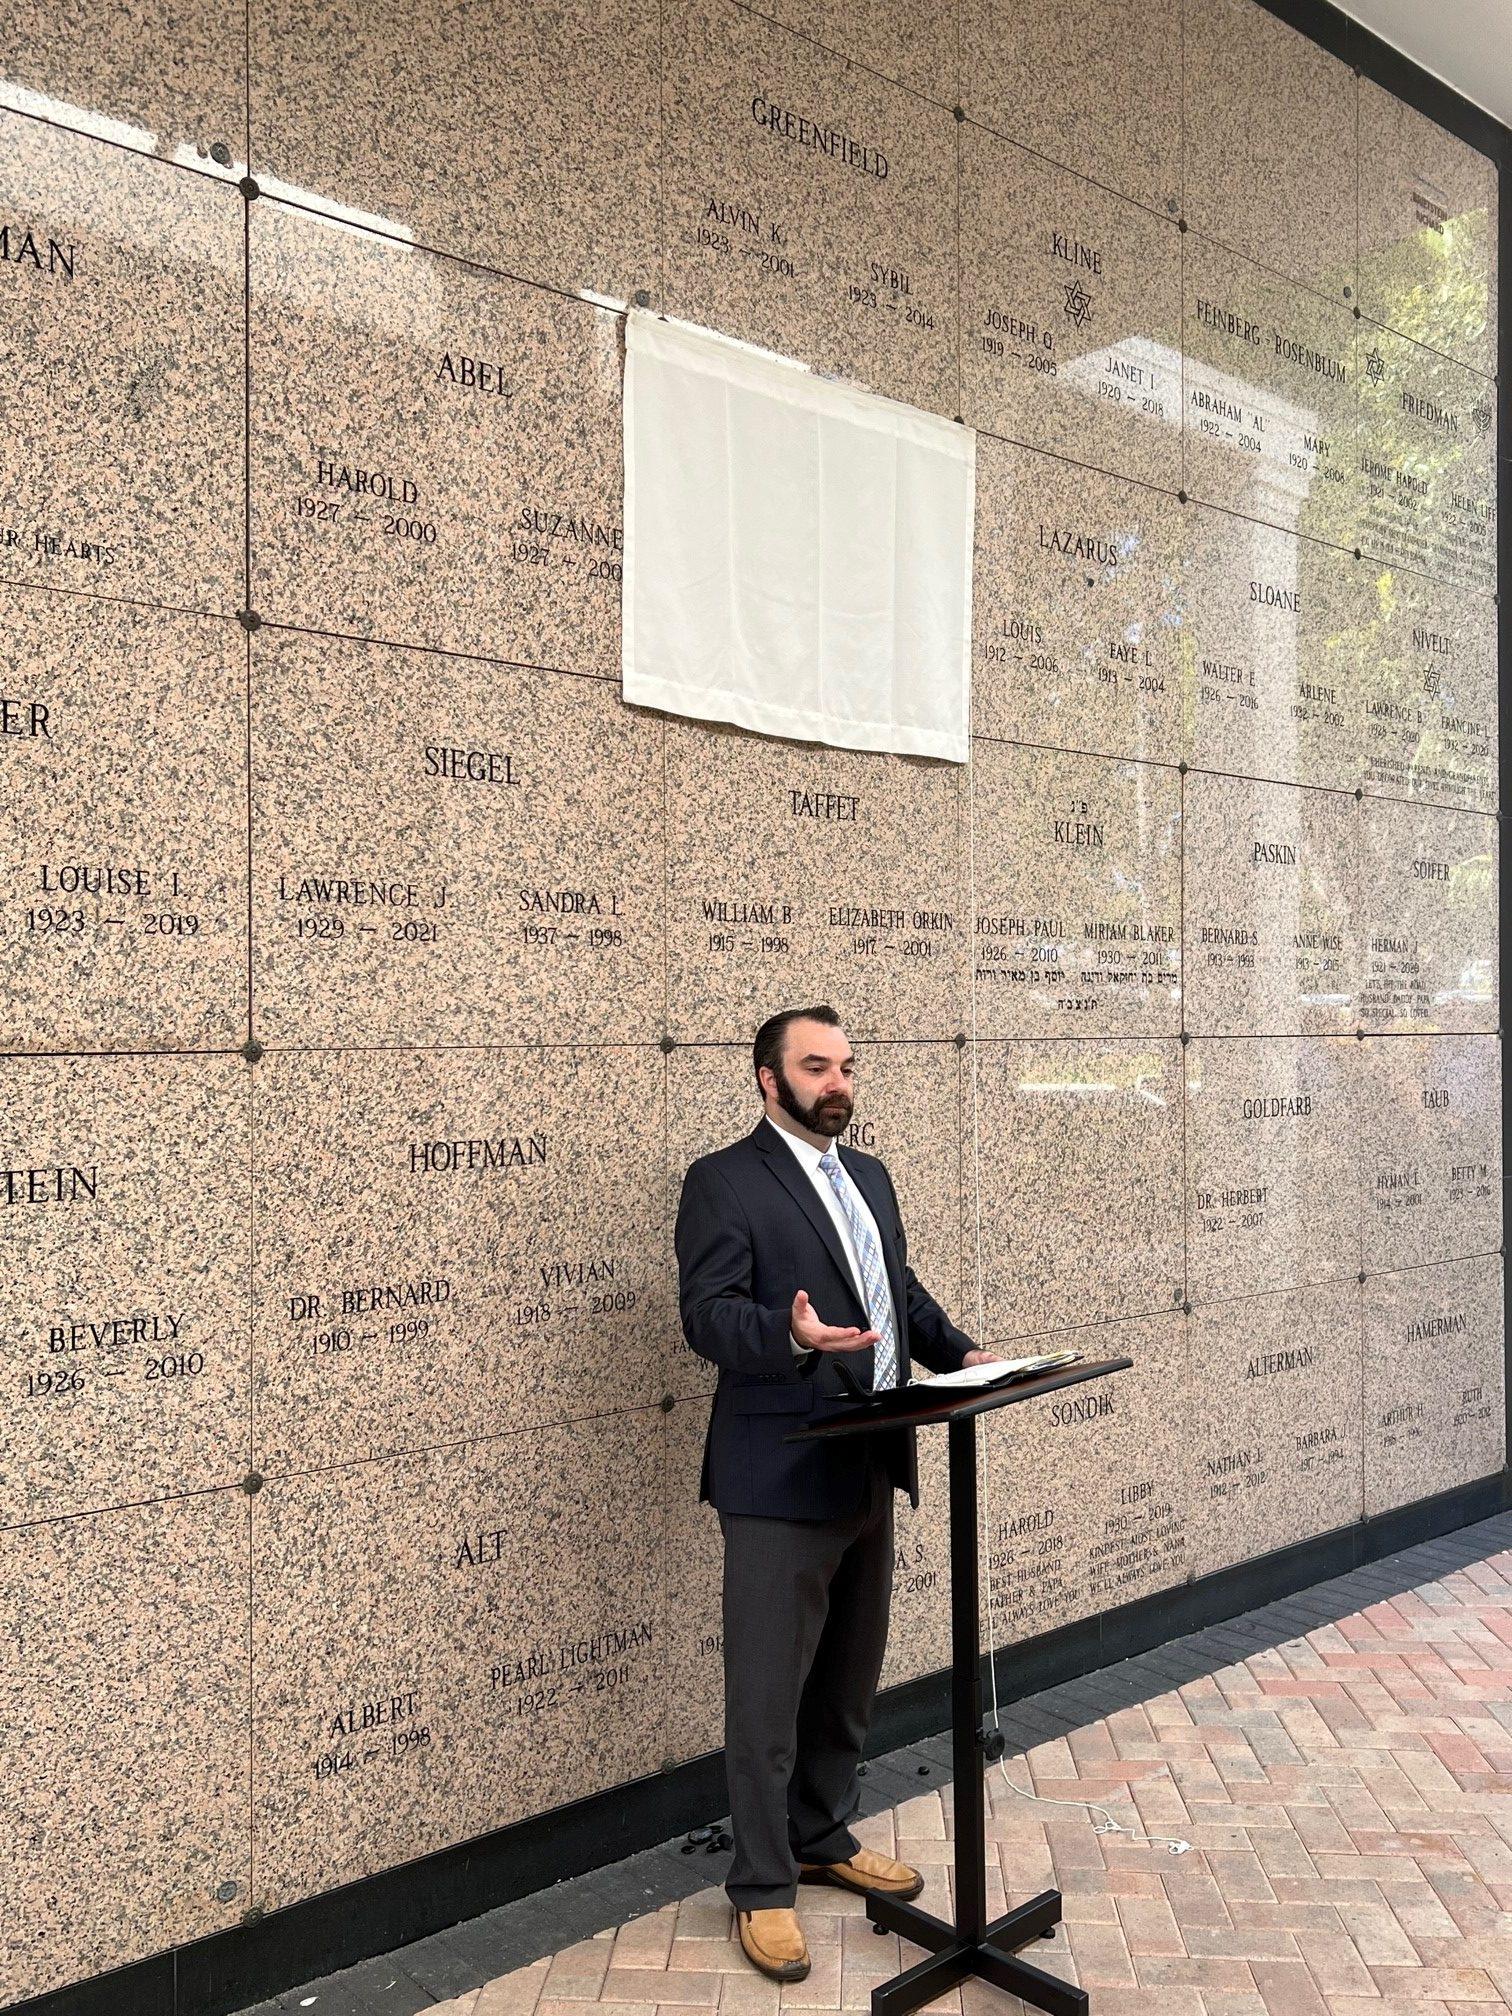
[1070, 314]
[125, 1209]
[449, 851]
[1270, 627]
[1428, 917]
[1077, 863]
[1427, 231]
[911, 41]
[907, 1112]
[122, 474]
[1430, 1155]
[1271, 909]
[918, 1641]
[1434, 1380]
[1085, 1491]
[1078, 618]
[1080, 1207]
[123, 826]
[1427, 689]
[1427, 440]
[164, 77]
[808, 205]
[1274, 1442]
[1269, 396]
[123, 1736]
[1095, 84]
[524, 137]
[1273, 1197]
[436, 451]
[446, 1642]
[692, 1657]
[454, 1243]
[1270, 144]
[795, 869]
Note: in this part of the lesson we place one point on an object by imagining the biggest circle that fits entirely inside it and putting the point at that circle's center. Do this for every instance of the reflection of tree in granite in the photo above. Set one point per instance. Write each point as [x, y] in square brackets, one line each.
[1426, 728]
[1427, 499]
[1434, 280]
[1430, 287]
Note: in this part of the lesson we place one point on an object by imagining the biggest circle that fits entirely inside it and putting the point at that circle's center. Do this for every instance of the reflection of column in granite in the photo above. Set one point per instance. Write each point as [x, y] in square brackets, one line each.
[1434, 1376]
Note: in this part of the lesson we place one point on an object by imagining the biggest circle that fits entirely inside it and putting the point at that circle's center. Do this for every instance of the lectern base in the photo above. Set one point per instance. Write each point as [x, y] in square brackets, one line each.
[951, 1957]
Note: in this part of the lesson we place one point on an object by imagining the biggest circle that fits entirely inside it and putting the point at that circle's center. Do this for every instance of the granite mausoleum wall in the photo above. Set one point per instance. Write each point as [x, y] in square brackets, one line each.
[371, 972]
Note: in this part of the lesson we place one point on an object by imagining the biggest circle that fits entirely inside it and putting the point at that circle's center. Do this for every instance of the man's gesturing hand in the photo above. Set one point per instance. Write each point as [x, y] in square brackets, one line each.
[817, 1336]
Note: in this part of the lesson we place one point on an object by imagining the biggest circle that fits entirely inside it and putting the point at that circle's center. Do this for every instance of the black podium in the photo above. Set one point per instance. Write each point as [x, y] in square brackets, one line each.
[971, 1945]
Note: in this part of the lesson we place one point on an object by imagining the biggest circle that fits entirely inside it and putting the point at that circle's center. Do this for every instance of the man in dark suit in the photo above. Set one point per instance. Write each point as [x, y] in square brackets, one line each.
[791, 1258]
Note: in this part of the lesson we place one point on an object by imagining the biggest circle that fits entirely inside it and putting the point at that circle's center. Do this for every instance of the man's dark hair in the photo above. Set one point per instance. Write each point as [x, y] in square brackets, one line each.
[767, 1049]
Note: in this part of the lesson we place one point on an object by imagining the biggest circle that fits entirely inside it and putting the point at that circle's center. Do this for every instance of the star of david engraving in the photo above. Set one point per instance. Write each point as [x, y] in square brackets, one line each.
[1375, 367]
[1078, 304]
[1431, 679]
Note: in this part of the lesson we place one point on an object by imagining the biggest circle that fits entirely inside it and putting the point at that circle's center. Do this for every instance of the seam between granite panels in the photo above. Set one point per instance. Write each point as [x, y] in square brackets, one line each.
[442, 651]
[109, 1506]
[23, 1055]
[1335, 546]
[1350, 1276]
[1095, 468]
[401, 1452]
[841, 55]
[115, 601]
[1065, 168]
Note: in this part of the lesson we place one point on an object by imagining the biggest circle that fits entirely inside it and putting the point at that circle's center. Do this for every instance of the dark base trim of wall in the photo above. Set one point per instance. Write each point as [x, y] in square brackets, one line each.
[253, 1962]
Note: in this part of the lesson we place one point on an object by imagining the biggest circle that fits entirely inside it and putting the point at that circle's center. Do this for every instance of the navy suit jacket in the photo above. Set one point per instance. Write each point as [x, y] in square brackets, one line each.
[750, 1233]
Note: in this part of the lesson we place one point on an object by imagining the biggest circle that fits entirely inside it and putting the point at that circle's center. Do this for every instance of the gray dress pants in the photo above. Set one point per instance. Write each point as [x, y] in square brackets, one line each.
[806, 1605]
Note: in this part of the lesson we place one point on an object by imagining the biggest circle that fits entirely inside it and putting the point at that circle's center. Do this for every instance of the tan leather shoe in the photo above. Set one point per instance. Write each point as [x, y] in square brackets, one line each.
[866, 1871]
[773, 1942]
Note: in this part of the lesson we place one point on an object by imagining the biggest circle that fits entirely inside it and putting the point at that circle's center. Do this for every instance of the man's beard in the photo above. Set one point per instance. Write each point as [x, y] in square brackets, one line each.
[830, 1114]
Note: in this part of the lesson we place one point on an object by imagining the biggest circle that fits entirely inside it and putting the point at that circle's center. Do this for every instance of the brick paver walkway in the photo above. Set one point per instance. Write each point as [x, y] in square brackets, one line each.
[1347, 1794]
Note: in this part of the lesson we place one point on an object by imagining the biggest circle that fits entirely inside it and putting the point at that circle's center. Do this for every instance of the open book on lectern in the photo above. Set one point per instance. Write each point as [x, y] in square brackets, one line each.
[970, 1378]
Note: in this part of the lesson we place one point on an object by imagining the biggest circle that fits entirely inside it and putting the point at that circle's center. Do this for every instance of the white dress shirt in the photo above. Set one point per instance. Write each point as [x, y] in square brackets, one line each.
[809, 1158]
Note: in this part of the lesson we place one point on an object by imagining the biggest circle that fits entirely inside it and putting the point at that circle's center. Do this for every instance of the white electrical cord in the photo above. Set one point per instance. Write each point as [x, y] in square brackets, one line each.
[1107, 1823]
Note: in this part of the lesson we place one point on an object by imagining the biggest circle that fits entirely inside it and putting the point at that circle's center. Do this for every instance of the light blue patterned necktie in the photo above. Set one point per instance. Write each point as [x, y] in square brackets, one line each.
[873, 1278]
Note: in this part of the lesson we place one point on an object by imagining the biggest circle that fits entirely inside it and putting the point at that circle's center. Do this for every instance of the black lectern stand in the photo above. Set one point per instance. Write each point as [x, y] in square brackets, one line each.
[971, 1945]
